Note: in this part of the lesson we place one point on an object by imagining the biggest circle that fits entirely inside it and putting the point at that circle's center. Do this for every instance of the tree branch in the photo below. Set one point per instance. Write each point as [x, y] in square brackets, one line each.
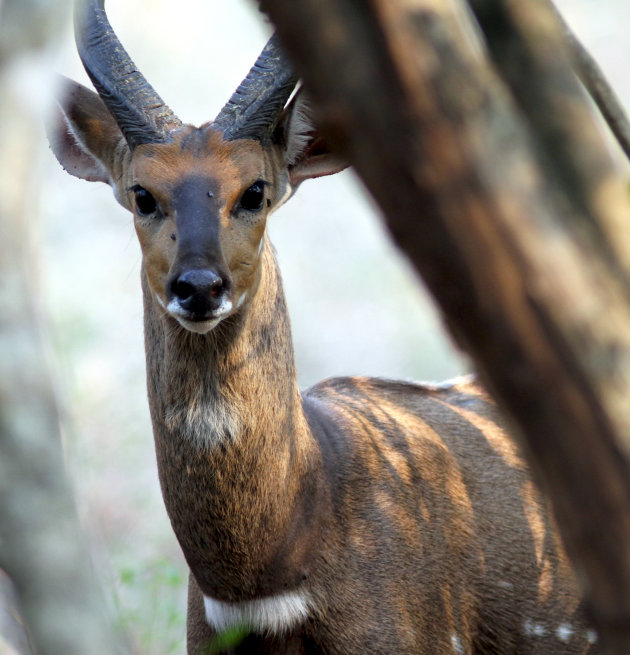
[500, 190]
[598, 87]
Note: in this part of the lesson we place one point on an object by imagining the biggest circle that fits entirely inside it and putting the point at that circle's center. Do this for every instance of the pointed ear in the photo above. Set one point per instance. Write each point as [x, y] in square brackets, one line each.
[83, 135]
[307, 154]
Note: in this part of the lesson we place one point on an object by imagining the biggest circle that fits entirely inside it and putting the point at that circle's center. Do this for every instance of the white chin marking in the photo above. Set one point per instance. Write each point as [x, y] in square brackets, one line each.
[160, 302]
[272, 615]
[199, 327]
[242, 299]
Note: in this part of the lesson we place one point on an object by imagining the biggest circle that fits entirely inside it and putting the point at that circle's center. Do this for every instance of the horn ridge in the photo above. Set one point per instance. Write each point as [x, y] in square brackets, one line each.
[254, 108]
[140, 112]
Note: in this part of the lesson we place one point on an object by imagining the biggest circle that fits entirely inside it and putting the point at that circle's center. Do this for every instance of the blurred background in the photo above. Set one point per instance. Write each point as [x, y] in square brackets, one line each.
[355, 306]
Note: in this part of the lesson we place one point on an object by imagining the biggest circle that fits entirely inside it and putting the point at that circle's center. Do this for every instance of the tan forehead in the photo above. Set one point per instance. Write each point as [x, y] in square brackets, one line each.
[199, 152]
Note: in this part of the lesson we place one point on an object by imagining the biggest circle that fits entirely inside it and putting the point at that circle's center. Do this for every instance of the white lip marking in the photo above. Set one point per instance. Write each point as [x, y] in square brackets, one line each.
[200, 327]
[272, 615]
[242, 299]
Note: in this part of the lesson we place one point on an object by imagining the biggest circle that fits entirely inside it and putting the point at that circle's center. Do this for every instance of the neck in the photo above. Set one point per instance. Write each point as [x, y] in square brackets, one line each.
[235, 454]
[232, 383]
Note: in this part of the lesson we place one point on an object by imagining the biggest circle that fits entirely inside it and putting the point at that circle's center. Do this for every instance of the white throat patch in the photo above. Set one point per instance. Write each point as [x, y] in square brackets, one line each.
[272, 615]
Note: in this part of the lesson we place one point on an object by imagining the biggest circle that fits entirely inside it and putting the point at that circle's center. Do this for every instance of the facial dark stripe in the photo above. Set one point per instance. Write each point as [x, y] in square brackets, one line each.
[197, 217]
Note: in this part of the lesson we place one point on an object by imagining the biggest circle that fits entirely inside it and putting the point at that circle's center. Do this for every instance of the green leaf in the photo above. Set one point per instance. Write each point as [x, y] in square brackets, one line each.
[226, 639]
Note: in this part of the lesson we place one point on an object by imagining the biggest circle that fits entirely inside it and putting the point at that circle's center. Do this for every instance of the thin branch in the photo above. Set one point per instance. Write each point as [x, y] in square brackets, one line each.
[598, 87]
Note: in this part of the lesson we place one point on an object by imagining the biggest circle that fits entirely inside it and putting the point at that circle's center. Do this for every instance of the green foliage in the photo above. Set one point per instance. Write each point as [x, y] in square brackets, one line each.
[150, 601]
[227, 639]
[151, 607]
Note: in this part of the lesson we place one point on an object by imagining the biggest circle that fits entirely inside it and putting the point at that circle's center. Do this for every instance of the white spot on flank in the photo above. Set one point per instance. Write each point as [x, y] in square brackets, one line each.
[591, 637]
[531, 629]
[456, 642]
[564, 632]
[272, 615]
[446, 385]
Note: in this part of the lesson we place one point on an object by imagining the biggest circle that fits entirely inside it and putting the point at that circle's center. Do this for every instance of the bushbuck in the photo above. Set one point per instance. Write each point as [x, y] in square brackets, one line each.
[360, 516]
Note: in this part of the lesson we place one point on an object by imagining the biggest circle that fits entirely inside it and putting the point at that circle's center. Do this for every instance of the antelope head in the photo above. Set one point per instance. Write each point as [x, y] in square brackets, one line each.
[200, 195]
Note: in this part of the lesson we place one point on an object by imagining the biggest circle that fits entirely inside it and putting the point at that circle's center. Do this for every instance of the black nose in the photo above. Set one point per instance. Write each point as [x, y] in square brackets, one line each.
[199, 291]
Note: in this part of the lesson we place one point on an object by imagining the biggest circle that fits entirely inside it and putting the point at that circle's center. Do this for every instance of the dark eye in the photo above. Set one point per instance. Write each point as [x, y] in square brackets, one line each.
[252, 199]
[145, 202]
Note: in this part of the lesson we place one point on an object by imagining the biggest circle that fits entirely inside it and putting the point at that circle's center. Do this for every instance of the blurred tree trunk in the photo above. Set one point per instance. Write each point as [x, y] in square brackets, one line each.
[41, 544]
[13, 637]
[478, 143]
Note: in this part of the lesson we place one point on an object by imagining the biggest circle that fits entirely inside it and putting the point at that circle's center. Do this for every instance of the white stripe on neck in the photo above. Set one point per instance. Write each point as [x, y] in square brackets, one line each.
[272, 615]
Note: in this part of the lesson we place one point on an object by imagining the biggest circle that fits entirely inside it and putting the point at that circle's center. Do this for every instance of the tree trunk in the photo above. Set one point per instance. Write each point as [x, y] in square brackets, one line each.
[494, 179]
[42, 547]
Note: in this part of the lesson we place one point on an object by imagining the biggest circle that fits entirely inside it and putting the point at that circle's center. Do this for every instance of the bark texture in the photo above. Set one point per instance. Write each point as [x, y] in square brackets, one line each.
[42, 546]
[476, 139]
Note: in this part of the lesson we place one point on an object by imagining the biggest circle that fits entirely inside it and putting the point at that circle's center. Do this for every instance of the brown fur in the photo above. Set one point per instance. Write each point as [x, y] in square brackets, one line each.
[404, 512]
